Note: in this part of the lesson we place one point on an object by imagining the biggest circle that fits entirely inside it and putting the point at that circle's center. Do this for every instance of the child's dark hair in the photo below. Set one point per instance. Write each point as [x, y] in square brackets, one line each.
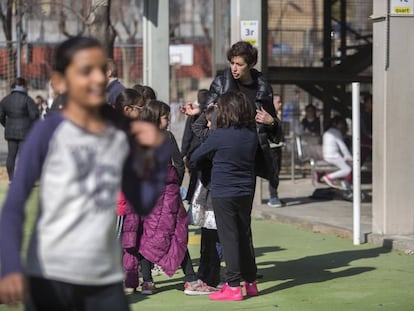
[67, 49]
[145, 91]
[128, 97]
[209, 112]
[202, 96]
[234, 109]
[245, 50]
[153, 112]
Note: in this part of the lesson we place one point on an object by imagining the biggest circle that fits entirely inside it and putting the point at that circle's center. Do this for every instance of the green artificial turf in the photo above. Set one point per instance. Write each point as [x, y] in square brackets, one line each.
[302, 271]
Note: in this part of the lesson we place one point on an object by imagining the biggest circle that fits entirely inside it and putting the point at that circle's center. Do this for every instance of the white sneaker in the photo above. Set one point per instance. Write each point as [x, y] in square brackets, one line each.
[274, 202]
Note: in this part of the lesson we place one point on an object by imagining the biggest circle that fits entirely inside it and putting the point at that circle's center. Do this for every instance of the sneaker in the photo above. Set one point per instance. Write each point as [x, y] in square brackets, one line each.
[346, 185]
[228, 293]
[251, 289]
[129, 290]
[148, 288]
[274, 202]
[198, 288]
[330, 182]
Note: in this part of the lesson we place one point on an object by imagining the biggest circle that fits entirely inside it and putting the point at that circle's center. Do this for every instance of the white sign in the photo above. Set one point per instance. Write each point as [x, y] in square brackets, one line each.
[249, 31]
[182, 54]
[402, 7]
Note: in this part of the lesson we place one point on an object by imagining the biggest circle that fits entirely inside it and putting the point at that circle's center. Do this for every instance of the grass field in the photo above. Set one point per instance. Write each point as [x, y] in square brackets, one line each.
[302, 271]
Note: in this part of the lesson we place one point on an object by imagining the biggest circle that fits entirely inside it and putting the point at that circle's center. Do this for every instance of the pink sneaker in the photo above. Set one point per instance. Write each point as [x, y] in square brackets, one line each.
[329, 181]
[228, 293]
[251, 289]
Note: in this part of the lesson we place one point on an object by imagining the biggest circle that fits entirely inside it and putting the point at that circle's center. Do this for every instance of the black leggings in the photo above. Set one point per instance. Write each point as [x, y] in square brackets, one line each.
[186, 265]
[49, 295]
[209, 269]
[13, 149]
[235, 234]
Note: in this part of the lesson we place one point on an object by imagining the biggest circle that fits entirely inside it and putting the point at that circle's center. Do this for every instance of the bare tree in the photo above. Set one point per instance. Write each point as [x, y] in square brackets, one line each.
[93, 16]
[100, 24]
[6, 17]
[126, 18]
[204, 15]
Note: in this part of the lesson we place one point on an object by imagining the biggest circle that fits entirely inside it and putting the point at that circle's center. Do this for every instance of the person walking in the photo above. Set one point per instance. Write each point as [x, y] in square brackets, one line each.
[276, 150]
[82, 157]
[18, 112]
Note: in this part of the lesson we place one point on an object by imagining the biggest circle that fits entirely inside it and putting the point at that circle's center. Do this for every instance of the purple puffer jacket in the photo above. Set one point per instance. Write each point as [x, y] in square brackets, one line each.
[132, 225]
[165, 236]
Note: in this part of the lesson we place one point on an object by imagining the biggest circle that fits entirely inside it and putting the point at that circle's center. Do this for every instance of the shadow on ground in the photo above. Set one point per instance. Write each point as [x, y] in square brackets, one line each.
[315, 269]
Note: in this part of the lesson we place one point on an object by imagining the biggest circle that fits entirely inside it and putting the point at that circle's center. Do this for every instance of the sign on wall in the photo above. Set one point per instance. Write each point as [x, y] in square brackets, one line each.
[249, 31]
[402, 7]
[182, 54]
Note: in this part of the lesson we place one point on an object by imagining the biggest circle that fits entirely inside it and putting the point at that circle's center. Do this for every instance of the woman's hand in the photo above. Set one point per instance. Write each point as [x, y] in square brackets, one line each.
[262, 116]
[13, 289]
[191, 109]
[147, 134]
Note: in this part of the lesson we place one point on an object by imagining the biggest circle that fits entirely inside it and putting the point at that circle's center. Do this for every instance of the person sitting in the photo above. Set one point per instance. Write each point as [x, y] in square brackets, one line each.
[311, 124]
[335, 152]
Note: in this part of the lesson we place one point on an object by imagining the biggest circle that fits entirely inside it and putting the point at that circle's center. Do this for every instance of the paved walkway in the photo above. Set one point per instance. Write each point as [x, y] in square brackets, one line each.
[328, 216]
[334, 216]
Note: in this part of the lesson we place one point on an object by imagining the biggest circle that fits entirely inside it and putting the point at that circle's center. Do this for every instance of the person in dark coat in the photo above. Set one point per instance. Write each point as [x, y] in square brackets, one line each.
[18, 112]
[241, 76]
[114, 87]
[311, 124]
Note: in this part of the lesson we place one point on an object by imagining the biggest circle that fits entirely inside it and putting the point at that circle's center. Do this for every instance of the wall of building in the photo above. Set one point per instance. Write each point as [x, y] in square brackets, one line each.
[393, 153]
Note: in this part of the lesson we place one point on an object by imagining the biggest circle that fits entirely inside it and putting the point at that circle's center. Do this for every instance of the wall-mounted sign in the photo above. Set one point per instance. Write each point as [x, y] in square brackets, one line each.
[402, 7]
[182, 54]
[249, 32]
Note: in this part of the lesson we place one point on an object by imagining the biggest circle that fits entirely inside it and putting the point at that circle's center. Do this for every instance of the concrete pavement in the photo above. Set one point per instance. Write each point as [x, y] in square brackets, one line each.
[333, 217]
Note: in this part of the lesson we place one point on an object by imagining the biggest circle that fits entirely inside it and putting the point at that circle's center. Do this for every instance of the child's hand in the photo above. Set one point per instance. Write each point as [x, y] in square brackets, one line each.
[147, 134]
[13, 289]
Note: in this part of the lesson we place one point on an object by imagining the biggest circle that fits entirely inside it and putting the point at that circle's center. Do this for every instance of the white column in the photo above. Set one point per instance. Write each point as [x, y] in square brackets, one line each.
[356, 171]
[393, 115]
[156, 47]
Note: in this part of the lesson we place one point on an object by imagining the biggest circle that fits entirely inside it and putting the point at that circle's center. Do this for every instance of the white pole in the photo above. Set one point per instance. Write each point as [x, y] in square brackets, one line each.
[356, 149]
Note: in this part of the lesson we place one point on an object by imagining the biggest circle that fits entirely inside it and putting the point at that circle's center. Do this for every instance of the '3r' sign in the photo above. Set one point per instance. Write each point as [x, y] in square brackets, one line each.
[249, 32]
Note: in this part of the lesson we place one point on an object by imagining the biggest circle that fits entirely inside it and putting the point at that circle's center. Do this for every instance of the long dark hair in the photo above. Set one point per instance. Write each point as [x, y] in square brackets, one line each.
[128, 97]
[153, 112]
[234, 109]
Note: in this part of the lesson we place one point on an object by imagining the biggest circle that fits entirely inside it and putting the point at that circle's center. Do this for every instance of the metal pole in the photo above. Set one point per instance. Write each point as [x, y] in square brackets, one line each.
[356, 149]
[292, 158]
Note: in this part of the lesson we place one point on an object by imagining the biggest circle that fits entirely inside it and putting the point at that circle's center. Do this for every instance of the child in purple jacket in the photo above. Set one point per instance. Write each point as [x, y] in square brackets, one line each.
[165, 233]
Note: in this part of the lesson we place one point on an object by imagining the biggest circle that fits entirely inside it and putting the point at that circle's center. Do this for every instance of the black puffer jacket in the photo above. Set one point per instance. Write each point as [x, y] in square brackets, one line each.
[264, 98]
[18, 112]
